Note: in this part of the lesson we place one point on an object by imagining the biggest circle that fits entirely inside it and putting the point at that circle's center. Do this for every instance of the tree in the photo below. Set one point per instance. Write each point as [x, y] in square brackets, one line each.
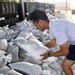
[29, 0]
[4, 0]
[9, 0]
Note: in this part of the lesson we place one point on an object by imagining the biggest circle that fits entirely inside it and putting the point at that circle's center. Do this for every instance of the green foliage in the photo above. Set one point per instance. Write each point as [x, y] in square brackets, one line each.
[29, 0]
[4, 0]
[9, 0]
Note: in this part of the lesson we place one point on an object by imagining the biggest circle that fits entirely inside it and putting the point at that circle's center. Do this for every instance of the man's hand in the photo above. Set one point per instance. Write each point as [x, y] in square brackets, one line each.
[45, 56]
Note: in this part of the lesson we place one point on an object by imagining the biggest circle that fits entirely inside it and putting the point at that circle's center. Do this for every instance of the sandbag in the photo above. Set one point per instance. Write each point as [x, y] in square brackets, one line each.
[32, 60]
[5, 59]
[10, 34]
[46, 72]
[2, 53]
[1, 74]
[65, 16]
[50, 71]
[50, 60]
[3, 44]
[37, 33]
[33, 47]
[13, 72]
[14, 51]
[25, 36]
[57, 66]
[4, 69]
[20, 25]
[45, 66]
[2, 61]
[2, 33]
[22, 53]
[25, 67]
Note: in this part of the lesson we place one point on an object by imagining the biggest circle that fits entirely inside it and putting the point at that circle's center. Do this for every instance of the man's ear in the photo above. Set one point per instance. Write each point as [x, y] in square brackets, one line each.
[40, 21]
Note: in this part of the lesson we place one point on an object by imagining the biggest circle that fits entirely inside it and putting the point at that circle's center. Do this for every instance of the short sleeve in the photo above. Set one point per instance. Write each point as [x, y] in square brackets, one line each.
[61, 36]
[58, 31]
[50, 31]
[51, 35]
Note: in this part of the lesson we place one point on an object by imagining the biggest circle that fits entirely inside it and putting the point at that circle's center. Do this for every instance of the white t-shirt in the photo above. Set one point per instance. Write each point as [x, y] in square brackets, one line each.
[63, 31]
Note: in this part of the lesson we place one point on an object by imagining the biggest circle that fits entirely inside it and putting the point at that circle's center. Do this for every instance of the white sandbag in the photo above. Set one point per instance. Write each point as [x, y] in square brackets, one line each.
[2, 61]
[22, 53]
[73, 67]
[26, 67]
[2, 33]
[8, 37]
[29, 28]
[32, 60]
[54, 49]
[62, 57]
[5, 59]
[33, 48]
[57, 66]
[4, 69]
[10, 34]
[46, 37]
[20, 39]
[50, 60]
[8, 58]
[46, 72]
[74, 72]
[36, 32]
[13, 72]
[3, 44]
[45, 42]
[21, 58]
[14, 28]
[29, 23]
[50, 72]
[5, 27]
[45, 66]
[50, 17]
[11, 42]
[1, 74]
[21, 25]
[25, 36]
[14, 51]
[53, 72]
[2, 53]
[24, 22]
[65, 16]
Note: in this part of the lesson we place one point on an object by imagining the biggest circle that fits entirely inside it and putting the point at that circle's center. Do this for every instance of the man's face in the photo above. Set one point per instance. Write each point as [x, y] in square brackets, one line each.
[40, 25]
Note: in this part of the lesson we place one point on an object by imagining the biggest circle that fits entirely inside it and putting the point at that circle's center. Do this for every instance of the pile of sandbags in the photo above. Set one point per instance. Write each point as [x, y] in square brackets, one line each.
[65, 16]
[20, 49]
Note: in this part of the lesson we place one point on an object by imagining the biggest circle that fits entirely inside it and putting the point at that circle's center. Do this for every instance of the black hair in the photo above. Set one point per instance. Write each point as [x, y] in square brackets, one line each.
[37, 15]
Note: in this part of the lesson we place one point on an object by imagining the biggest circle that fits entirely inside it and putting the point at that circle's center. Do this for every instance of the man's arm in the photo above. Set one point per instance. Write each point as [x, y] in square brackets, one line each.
[64, 50]
[51, 43]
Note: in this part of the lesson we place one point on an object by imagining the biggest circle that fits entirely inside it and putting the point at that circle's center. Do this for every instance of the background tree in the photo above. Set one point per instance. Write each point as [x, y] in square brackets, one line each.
[9, 0]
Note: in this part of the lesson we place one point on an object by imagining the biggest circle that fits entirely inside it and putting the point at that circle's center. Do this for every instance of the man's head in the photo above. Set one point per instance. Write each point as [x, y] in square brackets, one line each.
[39, 19]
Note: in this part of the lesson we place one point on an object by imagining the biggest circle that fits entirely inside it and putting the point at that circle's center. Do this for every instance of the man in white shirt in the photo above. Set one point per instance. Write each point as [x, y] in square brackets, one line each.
[62, 32]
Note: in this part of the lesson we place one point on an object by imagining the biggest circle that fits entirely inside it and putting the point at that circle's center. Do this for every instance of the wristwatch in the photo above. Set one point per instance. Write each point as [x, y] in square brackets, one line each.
[49, 54]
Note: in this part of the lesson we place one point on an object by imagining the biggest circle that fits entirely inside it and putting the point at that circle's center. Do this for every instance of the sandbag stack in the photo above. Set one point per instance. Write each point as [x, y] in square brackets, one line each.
[20, 49]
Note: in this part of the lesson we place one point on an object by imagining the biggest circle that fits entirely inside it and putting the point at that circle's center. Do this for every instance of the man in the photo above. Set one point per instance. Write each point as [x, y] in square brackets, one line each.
[62, 32]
